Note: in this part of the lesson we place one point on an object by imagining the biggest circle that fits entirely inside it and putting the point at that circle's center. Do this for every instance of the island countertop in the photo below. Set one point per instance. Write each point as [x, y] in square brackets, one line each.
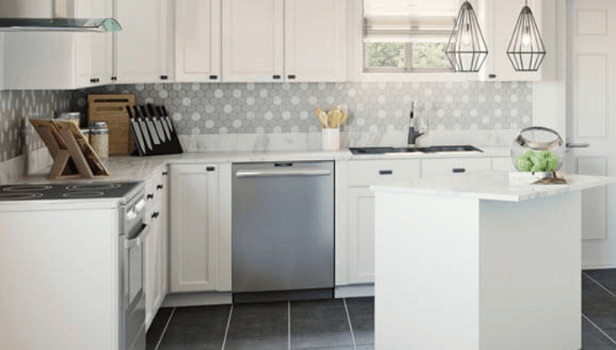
[489, 185]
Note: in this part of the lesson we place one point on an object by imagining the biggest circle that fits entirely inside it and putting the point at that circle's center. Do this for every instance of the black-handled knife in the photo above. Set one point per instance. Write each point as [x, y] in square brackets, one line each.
[150, 124]
[161, 125]
[144, 129]
[136, 131]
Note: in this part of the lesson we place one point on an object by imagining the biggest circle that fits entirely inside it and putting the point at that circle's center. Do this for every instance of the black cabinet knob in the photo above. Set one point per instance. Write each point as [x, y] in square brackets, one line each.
[114, 78]
[165, 173]
[213, 77]
[211, 168]
[164, 77]
[492, 76]
[93, 80]
[159, 187]
[292, 76]
[277, 77]
[155, 215]
[150, 196]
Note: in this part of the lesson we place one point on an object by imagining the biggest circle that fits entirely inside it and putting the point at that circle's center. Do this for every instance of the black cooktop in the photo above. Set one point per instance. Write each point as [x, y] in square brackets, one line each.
[66, 191]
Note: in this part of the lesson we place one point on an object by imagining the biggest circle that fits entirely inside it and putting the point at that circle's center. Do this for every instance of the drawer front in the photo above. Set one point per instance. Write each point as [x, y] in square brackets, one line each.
[371, 172]
[156, 189]
[450, 166]
[503, 164]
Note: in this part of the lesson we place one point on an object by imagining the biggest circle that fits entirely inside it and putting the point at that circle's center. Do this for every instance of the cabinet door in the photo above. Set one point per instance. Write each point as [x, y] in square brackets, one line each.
[361, 237]
[138, 48]
[94, 51]
[154, 263]
[198, 40]
[194, 228]
[253, 40]
[500, 19]
[315, 40]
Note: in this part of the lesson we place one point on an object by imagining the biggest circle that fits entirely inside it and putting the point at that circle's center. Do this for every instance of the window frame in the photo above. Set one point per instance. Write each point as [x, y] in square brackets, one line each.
[408, 63]
[355, 57]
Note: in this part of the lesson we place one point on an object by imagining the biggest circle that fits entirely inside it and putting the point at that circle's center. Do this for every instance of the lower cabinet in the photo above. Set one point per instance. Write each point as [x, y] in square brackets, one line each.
[361, 237]
[156, 244]
[200, 231]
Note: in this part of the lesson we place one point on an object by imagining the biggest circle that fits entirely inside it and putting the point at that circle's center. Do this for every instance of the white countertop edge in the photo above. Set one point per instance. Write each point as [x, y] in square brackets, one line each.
[524, 192]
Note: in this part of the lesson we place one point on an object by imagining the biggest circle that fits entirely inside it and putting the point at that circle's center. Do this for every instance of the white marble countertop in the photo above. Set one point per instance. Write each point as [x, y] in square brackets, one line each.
[141, 168]
[489, 185]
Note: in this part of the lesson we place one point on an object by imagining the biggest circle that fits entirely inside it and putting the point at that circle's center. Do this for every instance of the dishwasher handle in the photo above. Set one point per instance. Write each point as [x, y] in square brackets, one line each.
[278, 173]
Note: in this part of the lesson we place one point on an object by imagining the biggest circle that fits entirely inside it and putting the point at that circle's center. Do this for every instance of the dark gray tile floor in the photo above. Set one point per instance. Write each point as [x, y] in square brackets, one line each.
[335, 324]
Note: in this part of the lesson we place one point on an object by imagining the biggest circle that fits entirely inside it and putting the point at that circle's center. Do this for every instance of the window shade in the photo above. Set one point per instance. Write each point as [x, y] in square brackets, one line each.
[409, 20]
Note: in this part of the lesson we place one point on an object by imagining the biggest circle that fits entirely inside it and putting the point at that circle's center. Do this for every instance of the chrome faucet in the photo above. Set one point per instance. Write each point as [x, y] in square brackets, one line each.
[413, 134]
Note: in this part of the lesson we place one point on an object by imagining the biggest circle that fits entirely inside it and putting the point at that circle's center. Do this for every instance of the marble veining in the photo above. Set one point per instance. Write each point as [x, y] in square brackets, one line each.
[489, 185]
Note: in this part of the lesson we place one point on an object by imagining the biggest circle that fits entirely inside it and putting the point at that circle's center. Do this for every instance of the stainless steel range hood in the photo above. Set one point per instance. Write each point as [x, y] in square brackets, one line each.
[55, 16]
[99, 25]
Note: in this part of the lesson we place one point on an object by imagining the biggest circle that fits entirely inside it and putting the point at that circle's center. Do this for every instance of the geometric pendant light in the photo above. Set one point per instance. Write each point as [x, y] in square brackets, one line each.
[466, 49]
[526, 50]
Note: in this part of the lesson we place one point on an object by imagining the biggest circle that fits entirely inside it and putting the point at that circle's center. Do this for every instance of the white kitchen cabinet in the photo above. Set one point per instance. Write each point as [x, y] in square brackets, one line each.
[198, 40]
[315, 42]
[200, 228]
[143, 46]
[498, 22]
[503, 164]
[284, 40]
[355, 236]
[156, 243]
[451, 166]
[60, 60]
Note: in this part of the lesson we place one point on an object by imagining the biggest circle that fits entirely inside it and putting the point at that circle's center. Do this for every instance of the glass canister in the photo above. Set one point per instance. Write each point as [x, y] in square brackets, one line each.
[74, 117]
[99, 139]
[538, 149]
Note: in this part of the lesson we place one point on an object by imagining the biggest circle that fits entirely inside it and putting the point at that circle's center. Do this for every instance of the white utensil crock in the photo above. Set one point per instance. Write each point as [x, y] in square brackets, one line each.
[331, 139]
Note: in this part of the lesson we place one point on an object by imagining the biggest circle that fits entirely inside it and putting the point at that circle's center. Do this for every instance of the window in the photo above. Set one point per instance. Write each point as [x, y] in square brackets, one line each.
[407, 35]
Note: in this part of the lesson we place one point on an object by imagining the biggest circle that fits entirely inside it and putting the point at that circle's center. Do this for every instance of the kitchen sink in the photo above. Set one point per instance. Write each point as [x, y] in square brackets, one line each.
[429, 149]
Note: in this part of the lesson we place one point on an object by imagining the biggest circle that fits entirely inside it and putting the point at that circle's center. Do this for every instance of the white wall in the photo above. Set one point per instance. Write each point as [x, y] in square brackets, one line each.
[550, 95]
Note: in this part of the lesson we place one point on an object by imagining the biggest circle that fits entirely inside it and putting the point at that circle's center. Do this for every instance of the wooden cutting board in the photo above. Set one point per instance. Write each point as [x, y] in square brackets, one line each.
[111, 108]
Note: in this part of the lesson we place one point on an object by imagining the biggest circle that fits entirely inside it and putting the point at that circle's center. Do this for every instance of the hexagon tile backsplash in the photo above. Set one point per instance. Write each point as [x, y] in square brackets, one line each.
[250, 108]
[375, 107]
[17, 136]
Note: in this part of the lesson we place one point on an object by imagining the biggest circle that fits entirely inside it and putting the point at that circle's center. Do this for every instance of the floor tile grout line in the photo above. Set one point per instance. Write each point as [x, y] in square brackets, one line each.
[599, 328]
[600, 285]
[346, 310]
[224, 341]
[162, 335]
[289, 322]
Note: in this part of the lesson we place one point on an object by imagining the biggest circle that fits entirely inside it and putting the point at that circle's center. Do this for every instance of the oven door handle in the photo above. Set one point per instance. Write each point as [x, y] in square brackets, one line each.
[138, 240]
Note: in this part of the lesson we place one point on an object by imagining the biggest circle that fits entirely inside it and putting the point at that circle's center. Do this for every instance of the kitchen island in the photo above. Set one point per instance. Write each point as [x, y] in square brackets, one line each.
[468, 262]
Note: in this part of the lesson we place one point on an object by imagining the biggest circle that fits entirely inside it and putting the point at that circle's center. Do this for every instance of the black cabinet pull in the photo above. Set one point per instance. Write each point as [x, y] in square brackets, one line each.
[213, 77]
[164, 77]
[211, 168]
[150, 196]
[93, 80]
[386, 172]
[277, 77]
[292, 76]
[155, 215]
[458, 170]
[492, 76]
[114, 78]
[165, 173]
[159, 187]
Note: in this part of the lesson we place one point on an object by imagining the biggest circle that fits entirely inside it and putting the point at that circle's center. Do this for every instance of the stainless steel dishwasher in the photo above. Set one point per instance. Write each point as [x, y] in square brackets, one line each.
[283, 230]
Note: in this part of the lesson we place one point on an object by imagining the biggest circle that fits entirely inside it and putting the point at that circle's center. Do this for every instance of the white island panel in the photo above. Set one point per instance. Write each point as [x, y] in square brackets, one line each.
[471, 263]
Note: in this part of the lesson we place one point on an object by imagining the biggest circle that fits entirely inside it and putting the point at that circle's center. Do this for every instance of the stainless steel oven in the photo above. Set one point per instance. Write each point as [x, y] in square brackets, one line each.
[132, 296]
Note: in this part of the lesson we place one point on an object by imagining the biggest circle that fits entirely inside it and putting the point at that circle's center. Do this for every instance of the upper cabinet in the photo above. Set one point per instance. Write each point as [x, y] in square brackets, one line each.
[198, 40]
[315, 44]
[284, 40]
[143, 47]
[500, 19]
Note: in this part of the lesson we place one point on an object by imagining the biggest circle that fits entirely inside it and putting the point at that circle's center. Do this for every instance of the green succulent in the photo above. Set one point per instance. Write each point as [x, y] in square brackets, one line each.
[537, 161]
